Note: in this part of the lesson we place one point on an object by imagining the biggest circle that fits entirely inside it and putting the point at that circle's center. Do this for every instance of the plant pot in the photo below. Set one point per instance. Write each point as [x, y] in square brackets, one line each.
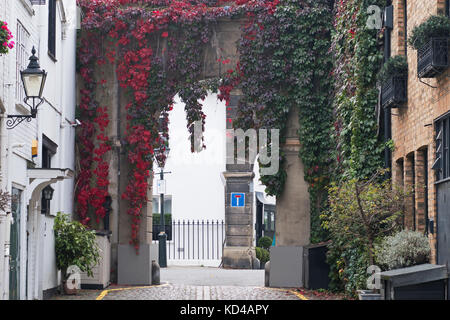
[369, 295]
[70, 289]
[393, 92]
[262, 265]
[432, 58]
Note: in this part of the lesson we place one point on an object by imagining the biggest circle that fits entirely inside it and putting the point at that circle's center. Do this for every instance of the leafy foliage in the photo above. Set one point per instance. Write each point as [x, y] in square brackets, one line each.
[5, 199]
[361, 213]
[74, 246]
[5, 38]
[404, 249]
[395, 66]
[167, 219]
[262, 254]
[284, 70]
[265, 242]
[437, 26]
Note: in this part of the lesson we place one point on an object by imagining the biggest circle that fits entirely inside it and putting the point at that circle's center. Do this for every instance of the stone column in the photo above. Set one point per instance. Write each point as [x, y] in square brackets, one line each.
[292, 219]
[238, 251]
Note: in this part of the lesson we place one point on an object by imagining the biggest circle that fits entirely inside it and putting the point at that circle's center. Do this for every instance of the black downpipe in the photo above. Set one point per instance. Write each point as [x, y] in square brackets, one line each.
[387, 111]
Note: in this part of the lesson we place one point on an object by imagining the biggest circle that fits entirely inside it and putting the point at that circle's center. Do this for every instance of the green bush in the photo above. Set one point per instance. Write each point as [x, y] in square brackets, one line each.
[74, 246]
[265, 242]
[395, 66]
[262, 254]
[167, 219]
[361, 213]
[404, 249]
[435, 27]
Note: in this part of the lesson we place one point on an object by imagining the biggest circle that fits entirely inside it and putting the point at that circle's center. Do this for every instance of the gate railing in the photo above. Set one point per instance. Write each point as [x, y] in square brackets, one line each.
[196, 240]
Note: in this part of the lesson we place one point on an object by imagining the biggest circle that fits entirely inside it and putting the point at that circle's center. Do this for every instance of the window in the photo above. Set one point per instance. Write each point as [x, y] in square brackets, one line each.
[22, 56]
[167, 204]
[52, 28]
[447, 8]
[442, 138]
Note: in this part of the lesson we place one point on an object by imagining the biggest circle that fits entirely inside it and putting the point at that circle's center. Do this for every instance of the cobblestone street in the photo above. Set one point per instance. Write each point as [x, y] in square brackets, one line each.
[195, 283]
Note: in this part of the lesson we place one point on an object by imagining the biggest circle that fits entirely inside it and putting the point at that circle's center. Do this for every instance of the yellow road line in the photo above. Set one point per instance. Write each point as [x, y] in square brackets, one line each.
[105, 292]
[297, 294]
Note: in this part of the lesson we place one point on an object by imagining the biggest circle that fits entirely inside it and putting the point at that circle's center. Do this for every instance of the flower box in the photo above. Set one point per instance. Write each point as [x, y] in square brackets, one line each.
[432, 58]
[394, 92]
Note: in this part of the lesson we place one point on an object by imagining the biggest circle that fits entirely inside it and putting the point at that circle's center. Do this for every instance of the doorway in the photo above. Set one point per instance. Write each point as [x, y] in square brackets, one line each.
[14, 264]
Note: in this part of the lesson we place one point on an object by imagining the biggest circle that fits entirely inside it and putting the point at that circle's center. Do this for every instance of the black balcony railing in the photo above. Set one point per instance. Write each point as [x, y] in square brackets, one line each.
[432, 58]
[393, 92]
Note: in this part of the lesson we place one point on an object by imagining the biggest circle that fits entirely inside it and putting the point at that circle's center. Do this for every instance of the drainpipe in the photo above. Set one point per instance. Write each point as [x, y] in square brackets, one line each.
[387, 111]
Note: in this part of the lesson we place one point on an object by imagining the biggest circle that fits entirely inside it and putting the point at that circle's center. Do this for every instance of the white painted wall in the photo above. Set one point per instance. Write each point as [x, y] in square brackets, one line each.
[54, 118]
[195, 184]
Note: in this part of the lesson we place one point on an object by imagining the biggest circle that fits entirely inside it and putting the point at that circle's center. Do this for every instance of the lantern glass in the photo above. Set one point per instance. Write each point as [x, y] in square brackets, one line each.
[48, 193]
[33, 84]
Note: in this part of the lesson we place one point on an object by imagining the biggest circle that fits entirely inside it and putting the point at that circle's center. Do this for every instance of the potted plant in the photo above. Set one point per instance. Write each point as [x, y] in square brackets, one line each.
[74, 246]
[430, 39]
[393, 79]
[263, 255]
[5, 38]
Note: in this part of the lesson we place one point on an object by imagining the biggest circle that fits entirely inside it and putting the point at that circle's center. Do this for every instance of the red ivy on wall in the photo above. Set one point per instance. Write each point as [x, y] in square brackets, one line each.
[156, 46]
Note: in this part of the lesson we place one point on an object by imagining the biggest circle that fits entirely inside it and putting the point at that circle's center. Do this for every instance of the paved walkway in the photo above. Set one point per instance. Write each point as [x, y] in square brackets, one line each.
[196, 283]
[207, 276]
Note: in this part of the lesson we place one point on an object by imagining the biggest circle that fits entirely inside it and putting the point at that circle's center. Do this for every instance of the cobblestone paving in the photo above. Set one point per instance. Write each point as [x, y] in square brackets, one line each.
[189, 292]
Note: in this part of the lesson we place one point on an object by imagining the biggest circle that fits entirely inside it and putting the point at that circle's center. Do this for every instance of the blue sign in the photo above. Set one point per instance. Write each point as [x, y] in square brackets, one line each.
[238, 199]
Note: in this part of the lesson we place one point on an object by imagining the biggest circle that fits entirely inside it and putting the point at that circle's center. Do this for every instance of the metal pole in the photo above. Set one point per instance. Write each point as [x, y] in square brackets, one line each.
[162, 237]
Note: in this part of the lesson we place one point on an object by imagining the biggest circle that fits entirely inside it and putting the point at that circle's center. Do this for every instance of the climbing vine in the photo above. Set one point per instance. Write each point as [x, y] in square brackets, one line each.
[359, 149]
[285, 67]
[157, 48]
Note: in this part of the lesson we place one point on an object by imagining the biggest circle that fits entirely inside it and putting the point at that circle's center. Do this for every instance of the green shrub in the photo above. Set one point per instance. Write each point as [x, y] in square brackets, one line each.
[404, 249]
[361, 213]
[167, 219]
[262, 254]
[265, 242]
[74, 246]
[395, 66]
[435, 27]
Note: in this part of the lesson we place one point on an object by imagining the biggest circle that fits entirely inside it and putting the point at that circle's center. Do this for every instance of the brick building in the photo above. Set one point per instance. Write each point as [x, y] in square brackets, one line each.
[420, 131]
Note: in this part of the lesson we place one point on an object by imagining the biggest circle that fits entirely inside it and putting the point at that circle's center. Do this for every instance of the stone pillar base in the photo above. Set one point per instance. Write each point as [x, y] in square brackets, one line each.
[136, 269]
[238, 257]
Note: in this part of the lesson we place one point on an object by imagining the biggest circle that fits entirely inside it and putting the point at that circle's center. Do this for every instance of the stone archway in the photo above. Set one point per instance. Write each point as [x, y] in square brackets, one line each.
[239, 221]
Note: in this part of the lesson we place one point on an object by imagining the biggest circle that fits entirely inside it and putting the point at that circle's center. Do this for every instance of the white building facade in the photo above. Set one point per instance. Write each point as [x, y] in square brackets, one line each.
[195, 188]
[27, 254]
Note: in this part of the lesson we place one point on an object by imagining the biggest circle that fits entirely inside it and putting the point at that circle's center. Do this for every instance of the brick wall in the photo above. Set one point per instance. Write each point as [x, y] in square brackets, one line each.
[412, 124]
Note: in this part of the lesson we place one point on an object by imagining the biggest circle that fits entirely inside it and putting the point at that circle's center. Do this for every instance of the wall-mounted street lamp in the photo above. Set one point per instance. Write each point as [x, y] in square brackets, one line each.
[33, 79]
[48, 193]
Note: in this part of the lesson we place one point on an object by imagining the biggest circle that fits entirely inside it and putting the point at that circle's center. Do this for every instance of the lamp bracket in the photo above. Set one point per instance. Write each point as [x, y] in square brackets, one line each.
[14, 120]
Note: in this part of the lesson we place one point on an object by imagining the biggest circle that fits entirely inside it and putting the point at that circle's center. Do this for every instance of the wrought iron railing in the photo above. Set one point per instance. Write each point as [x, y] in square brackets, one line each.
[432, 58]
[195, 239]
[393, 92]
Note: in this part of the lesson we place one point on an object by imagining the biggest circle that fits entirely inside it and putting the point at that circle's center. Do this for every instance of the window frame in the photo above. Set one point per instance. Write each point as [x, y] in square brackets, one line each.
[52, 29]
